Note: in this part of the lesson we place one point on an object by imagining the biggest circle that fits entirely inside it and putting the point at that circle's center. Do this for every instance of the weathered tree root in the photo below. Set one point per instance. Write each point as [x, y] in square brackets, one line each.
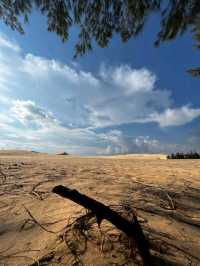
[131, 229]
[44, 260]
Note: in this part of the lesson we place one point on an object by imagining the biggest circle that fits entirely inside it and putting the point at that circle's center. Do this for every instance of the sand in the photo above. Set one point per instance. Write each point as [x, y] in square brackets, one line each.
[165, 194]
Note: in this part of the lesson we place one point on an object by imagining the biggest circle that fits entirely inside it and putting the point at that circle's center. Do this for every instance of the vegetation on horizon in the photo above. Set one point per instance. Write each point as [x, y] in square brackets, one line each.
[181, 155]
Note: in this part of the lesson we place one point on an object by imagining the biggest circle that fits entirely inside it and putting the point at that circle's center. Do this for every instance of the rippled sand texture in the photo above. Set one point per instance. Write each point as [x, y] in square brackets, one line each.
[164, 193]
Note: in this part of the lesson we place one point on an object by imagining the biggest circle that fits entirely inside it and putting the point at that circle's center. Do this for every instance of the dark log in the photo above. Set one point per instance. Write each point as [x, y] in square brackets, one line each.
[131, 228]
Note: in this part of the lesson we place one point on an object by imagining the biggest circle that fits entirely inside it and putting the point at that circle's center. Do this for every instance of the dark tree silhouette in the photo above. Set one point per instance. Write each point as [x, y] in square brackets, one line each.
[181, 155]
[98, 20]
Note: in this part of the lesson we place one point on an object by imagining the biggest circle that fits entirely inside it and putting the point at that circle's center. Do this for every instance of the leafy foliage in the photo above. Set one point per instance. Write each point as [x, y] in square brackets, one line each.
[98, 20]
[180, 155]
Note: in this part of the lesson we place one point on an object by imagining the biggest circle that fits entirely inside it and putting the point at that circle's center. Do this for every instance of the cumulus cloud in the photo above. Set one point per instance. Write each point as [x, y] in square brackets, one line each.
[128, 79]
[114, 96]
[175, 117]
[28, 112]
[60, 105]
[115, 142]
[29, 126]
[39, 67]
[118, 143]
[38, 129]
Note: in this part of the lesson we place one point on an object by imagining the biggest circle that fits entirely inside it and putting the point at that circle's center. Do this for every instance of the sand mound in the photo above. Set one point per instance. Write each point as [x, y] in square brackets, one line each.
[18, 153]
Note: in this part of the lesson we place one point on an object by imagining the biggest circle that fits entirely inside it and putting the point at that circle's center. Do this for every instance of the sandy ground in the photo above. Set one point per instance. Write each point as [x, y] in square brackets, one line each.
[165, 194]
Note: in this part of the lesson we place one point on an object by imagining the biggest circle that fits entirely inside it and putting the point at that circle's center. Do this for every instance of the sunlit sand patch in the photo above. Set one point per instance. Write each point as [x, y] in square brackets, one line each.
[164, 193]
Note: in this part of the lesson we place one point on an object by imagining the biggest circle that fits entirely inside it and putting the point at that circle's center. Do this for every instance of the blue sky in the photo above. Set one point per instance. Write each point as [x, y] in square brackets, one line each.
[127, 98]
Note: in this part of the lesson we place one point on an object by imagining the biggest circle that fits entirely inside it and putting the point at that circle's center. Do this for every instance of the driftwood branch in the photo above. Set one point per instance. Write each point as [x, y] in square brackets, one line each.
[131, 229]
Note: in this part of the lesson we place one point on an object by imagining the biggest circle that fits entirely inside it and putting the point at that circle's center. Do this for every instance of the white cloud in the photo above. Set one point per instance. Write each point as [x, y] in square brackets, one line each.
[39, 67]
[118, 143]
[38, 129]
[114, 96]
[128, 79]
[149, 145]
[28, 112]
[55, 105]
[6, 43]
[175, 117]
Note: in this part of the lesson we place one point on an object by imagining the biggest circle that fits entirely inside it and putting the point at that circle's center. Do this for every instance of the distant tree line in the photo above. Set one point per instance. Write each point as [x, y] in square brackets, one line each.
[181, 155]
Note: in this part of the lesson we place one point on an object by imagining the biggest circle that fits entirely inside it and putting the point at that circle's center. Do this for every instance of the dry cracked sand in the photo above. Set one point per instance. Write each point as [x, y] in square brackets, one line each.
[165, 195]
